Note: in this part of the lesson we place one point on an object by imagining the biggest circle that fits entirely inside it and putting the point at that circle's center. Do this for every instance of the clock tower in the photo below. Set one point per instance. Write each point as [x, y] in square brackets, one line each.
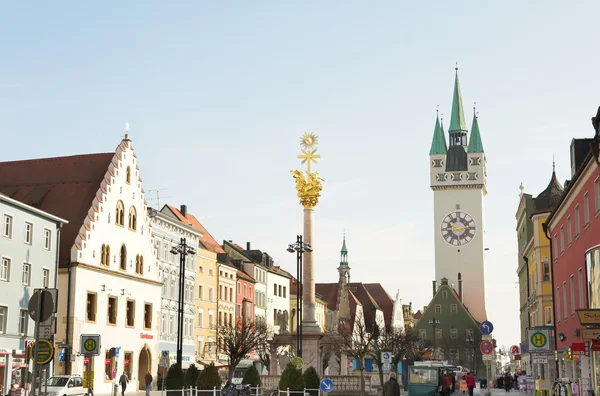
[459, 183]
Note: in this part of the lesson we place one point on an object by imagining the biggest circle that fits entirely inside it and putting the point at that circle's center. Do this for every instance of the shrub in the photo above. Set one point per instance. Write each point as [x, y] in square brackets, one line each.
[251, 377]
[191, 375]
[175, 380]
[311, 378]
[291, 378]
[209, 378]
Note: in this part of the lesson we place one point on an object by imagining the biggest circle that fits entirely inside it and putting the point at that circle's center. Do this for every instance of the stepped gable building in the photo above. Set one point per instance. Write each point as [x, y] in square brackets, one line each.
[574, 228]
[108, 269]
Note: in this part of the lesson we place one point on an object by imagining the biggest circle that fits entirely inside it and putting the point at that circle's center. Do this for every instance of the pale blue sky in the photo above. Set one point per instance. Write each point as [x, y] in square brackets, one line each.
[218, 95]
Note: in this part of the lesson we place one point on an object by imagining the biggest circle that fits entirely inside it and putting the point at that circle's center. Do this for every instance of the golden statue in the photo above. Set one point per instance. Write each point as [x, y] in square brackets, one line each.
[309, 187]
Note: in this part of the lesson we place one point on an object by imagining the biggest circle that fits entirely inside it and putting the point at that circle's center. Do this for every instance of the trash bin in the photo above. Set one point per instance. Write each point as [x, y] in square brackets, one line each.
[115, 391]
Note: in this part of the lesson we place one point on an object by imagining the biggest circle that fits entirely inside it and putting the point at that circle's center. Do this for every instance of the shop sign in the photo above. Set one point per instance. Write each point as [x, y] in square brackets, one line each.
[146, 336]
[588, 334]
[589, 317]
[578, 348]
[540, 359]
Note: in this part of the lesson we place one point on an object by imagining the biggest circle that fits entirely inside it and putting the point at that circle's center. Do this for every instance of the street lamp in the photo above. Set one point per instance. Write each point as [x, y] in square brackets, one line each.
[183, 250]
[299, 247]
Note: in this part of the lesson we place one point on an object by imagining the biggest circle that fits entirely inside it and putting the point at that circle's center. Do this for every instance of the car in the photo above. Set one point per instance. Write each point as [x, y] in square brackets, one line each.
[64, 385]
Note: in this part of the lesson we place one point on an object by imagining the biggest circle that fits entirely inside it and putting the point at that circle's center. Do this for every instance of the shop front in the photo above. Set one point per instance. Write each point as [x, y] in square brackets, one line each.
[592, 260]
[13, 370]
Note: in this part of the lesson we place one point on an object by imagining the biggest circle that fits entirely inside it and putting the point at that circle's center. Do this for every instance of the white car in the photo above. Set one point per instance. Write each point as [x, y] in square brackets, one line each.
[64, 385]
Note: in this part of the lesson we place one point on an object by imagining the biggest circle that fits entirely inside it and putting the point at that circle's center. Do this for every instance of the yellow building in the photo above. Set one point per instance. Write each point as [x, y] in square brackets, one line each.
[320, 312]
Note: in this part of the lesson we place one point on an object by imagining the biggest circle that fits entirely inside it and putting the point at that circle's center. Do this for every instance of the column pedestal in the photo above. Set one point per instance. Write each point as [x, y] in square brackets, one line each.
[311, 351]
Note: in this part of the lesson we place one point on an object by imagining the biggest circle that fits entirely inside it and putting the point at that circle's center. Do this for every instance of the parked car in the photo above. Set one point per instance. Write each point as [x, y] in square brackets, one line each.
[64, 385]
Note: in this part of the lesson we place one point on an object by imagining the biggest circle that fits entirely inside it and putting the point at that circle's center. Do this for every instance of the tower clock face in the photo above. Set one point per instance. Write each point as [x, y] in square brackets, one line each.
[458, 228]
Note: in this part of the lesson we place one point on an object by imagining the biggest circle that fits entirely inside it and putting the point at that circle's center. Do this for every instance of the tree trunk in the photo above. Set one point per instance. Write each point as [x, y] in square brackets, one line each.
[362, 381]
[380, 375]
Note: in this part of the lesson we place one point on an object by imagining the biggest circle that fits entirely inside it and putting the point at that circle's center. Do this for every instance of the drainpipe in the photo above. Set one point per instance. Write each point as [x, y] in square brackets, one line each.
[56, 259]
[546, 232]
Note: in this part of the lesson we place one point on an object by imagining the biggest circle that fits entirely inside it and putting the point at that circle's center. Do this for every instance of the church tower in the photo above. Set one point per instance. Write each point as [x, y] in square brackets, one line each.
[344, 280]
[458, 179]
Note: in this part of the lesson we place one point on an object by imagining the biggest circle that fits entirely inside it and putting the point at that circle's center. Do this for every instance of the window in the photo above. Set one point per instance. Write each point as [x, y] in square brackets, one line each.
[422, 334]
[109, 365]
[586, 209]
[453, 333]
[239, 289]
[444, 293]
[163, 323]
[201, 319]
[130, 314]
[128, 175]
[200, 292]
[23, 315]
[220, 292]
[231, 294]
[166, 251]
[239, 310]
[128, 363]
[91, 307]
[201, 269]
[26, 276]
[546, 268]
[147, 316]
[562, 240]
[105, 255]
[555, 246]
[597, 195]
[211, 294]
[112, 310]
[45, 277]
[211, 320]
[569, 231]
[120, 214]
[572, 287]
[438, 308]
[558, 303]
[453, 308]
[172, 289]
[132, 219]
[577, 221]
[548, 315]
[8, 226]
[5, 270]
[469, 334]
[171, 325]
[220, 318]
[123, 259]
[250, 292]
[274, 290]
[3, 319]
[139, 265]
[438, 334]
[47, 238]
[565, 308]
[211, 272]
[28, 233]
[284, 292]
[580, 283]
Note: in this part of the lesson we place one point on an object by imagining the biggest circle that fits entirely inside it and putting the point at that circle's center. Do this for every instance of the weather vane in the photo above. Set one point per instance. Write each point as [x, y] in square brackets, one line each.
[309, 142]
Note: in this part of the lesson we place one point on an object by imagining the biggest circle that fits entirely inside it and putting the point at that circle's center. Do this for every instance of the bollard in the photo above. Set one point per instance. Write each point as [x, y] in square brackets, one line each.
[214, 391]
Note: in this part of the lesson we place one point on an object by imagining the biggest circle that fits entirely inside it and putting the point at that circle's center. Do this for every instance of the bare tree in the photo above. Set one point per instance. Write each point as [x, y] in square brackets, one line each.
[237, 340]
[354, 340]
[262, 348]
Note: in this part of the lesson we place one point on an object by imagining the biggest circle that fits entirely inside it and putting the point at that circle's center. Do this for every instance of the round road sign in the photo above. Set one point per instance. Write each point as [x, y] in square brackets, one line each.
[298, 362]
[45, 352]
[47, 308]
[486, 347]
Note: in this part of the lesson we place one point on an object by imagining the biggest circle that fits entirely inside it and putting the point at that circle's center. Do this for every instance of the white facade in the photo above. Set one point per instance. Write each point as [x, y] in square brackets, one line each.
[167, 232]
[462, 192]
[115, 284]
[260, 288]
[398, 313]
[226, 294]
[278, 298]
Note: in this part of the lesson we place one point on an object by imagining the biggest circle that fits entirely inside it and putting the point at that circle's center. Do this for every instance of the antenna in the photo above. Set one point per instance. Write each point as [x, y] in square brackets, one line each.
[158, 197]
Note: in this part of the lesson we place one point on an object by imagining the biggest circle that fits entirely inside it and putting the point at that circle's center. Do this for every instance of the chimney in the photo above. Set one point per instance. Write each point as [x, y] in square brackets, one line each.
[183, 210]
[434, 287]
[248, 246]
[460, 296]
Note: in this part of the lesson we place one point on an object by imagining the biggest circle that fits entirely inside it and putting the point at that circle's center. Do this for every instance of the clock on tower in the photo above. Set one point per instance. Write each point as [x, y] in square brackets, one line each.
[458, 179]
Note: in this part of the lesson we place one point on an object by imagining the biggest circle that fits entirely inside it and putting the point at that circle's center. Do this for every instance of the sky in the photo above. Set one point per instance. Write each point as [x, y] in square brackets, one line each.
[217, 96]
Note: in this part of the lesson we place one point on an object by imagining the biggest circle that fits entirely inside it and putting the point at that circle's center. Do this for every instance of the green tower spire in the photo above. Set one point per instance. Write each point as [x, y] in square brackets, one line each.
[344, 254]
[457, 118]
[475, 144]
[438, 144]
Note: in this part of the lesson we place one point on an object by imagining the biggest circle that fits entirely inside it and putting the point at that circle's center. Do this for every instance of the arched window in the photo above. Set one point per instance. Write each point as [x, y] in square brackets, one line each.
[123, 259]
[139, 265]
[103, 255]
[128, 175]
[132, 218]
[120, 215]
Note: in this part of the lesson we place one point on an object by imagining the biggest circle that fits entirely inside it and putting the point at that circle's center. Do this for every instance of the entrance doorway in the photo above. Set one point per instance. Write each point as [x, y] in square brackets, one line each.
[144, 366]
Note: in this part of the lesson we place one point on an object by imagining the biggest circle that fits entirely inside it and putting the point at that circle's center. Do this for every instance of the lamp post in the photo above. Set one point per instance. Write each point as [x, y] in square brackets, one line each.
[183, 250]
[299, 248]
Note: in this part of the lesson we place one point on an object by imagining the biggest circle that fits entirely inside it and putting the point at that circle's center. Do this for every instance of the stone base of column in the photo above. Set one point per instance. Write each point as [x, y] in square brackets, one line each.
[311, 350]
[310, 327]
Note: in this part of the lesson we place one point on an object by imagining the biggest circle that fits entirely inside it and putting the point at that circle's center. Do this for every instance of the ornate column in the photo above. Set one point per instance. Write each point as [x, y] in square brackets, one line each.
[274, 364]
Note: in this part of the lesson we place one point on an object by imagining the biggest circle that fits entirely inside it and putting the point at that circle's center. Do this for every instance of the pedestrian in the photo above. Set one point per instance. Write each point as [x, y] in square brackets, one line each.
[507, 380]
[470, 382]
[148, 383]
[123, 380]
[391, 387]
[446, 384]
[453, 378]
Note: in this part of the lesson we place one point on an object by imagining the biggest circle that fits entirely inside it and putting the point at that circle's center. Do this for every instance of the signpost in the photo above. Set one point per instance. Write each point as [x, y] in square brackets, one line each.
[42, 306]
[386, 359]
[326, 385]
[538, 340]
[486, 347]
[89, 345]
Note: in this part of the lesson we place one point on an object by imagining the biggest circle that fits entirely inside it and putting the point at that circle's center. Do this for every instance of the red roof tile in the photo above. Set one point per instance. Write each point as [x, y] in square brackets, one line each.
[383, 299]
[206, 239]
[62, 186]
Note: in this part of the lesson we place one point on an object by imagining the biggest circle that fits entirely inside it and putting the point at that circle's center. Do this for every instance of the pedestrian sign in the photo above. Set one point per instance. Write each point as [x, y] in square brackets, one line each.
[386, 356]
[90, 344]
[326, 385]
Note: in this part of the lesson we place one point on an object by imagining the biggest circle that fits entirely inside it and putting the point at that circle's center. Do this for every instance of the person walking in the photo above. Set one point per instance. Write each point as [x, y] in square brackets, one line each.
[446, 384]
[148, 383]
[507, 380]
[470, 382]
[123, 380]
[391, 387]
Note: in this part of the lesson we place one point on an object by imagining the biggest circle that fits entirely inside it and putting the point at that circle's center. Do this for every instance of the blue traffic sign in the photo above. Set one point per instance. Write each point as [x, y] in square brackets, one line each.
[326, 385]
[117, 350]
[486, 327]
[164, 354]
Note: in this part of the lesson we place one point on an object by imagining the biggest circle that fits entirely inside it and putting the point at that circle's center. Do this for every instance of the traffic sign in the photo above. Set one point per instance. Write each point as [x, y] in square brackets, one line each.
[164, 354]
[538, 340]
[486, 327]
[514, 350]
[49, 299]
[326, 385]
[45, 352]
[486, 347]
[298, 362]
[386, 357]
[90, 344]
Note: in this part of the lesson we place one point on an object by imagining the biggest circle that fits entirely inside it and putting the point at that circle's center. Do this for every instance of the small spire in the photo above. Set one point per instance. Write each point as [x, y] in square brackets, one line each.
[344, 248]
[475, 143]
[456, 67]
[438, 143]
[521, 187]
[457, 118]
[126, 131]
[553, 164]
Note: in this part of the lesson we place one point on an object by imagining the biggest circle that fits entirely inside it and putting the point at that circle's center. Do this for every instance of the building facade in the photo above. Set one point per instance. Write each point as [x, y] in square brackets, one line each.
[167, 231]
[574, 229]
[226, 299]
[29, 260]
[245, 285]
[459, 182]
